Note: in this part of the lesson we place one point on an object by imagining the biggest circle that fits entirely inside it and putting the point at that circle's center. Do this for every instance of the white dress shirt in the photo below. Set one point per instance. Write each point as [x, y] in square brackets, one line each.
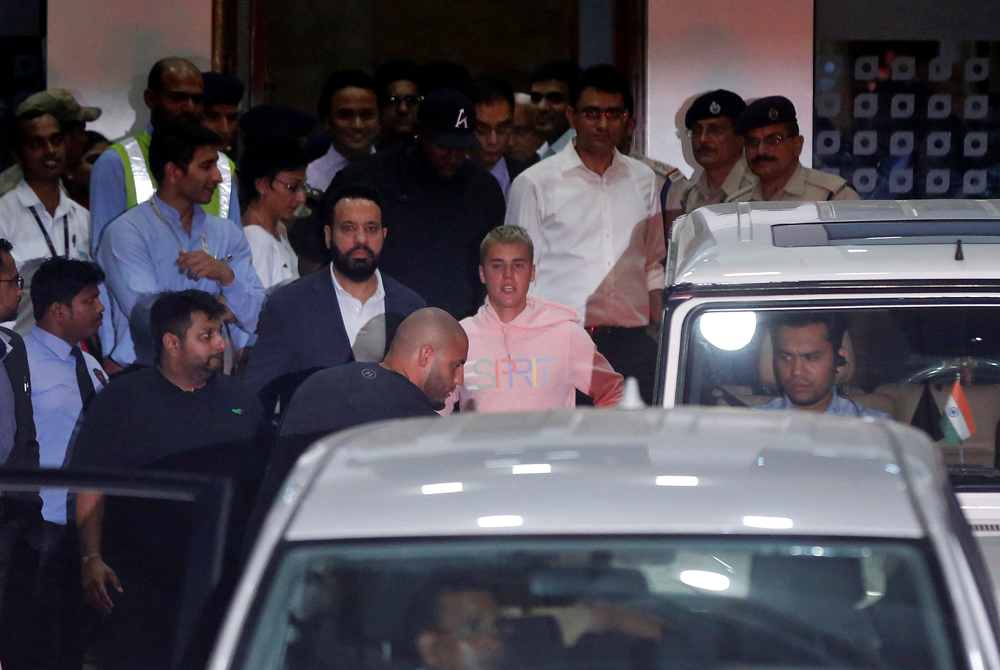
[68, 230]
[273, 259]
[355, 313]
[598, 238]
[321, 171]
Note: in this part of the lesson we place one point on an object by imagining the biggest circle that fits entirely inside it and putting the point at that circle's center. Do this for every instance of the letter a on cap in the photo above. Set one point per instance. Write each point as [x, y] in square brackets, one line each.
[463, 120]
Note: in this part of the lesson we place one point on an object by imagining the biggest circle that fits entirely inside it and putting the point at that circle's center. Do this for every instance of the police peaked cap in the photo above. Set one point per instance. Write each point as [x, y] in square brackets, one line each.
[766, 112]
[222, 89]
[715, 104]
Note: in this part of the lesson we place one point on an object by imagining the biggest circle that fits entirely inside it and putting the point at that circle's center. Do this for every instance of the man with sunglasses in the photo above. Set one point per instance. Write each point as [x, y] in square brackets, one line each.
[348, 107]
[550, 92]
[772, 144]
[722, 175]
[594, 217]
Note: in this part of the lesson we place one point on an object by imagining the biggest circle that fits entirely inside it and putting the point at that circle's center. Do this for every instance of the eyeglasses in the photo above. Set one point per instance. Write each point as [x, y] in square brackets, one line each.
[410, 100]
[345, 114]
[486, 129]
[19, 280]
[555, 97]
[594, 113]
[292, 188]
[772, 140]
[709, 131]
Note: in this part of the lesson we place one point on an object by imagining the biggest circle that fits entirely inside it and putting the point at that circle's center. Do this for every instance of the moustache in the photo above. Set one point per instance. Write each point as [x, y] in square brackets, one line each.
[763, 159]
[361, 247]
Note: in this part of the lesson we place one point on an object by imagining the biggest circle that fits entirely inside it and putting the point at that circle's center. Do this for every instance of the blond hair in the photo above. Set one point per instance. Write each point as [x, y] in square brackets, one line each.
[506, 235]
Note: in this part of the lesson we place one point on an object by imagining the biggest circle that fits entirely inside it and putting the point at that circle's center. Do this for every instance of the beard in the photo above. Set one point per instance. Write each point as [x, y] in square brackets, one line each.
[436, 388]
[214, 364]
[355, 269]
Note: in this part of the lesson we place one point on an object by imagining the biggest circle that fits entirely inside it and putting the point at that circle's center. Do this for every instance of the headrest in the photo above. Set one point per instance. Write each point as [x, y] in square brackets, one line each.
[767, 378]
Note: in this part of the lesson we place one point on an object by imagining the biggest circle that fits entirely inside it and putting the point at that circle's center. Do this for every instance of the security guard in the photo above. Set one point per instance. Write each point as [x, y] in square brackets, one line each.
[121, 178]
[772, 143]
[722, 175]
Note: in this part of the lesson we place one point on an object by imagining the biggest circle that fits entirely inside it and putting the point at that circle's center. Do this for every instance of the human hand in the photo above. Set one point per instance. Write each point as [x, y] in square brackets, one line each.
[96, 575]
[199, 265]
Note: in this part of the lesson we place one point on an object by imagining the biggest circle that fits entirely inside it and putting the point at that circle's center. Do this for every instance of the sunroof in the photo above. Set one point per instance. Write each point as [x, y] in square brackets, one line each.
[886, 232]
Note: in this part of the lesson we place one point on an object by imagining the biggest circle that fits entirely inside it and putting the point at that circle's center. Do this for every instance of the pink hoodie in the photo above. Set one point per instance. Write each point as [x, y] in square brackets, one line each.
[535, 362]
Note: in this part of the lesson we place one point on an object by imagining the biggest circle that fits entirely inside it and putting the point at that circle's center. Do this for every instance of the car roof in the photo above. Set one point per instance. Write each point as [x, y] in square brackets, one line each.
[850, 241]
[685, 470]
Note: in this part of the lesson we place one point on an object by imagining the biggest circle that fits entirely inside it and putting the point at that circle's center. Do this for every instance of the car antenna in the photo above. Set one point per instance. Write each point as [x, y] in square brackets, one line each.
[959, 255]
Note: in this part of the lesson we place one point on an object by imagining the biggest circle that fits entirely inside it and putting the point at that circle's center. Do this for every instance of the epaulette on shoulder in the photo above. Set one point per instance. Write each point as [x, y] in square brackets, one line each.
[830, 182]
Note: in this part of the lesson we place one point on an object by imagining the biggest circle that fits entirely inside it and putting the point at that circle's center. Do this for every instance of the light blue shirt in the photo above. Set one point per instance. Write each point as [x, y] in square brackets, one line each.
[108, 200]
[838, 407]
[56, 401]
[547, 150]
[502, 175]
[138, 251]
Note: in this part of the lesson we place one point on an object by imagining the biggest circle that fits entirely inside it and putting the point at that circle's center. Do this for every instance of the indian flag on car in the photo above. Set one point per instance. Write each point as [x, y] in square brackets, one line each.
[957, 423]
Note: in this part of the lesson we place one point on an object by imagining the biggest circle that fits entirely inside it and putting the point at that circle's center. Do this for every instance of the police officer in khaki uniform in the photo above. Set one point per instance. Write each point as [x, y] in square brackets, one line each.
[772, 143]
[723, 175]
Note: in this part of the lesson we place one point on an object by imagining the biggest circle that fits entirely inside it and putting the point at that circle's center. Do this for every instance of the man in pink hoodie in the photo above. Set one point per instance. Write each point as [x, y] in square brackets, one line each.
[526, 353]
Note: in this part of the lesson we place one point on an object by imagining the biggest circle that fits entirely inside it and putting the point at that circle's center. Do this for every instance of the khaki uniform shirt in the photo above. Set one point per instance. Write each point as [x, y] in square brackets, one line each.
[807, 185]
[735, 188]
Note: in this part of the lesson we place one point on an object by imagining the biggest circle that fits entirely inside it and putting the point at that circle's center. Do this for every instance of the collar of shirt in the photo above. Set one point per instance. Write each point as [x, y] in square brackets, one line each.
[570, 160]
[28, 198]
[547, 149]
[502, 174]
[795, 186]
[54, 344]
[343, 295]
[321, 171]
[4, 345]
[838, 406]
[173, 218]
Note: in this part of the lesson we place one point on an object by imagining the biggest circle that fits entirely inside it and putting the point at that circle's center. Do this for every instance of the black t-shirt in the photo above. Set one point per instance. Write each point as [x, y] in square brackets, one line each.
[143, 422]
[435, 225]
[350, 395]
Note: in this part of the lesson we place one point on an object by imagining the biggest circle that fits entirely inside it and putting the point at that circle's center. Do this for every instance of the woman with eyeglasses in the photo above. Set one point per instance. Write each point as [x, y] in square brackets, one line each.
[272, 185]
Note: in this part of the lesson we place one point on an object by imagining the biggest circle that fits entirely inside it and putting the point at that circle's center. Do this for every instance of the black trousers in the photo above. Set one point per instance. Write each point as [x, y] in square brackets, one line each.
[631, 352]
[64, 617]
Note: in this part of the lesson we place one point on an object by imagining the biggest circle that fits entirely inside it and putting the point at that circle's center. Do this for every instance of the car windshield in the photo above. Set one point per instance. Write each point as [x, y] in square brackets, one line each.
[607, 604]
[899, 362]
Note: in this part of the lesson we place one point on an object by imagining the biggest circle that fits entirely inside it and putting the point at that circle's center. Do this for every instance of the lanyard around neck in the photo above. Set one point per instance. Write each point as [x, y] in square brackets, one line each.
[45, 233]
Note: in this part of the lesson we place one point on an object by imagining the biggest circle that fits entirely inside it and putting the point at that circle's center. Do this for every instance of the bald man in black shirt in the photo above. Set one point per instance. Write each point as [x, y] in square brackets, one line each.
[180, 416]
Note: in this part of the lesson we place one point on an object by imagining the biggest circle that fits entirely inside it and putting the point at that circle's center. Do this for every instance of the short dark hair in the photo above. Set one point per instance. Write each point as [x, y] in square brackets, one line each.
[489, 90]
[267, 156]
[60, 280]
[835, 325]
[5, 246]
[342, 79]
[359, 190]
[176, 143]
[397, 70]
[565, 71]
[173, 310]
[603, 78]
[93, 137]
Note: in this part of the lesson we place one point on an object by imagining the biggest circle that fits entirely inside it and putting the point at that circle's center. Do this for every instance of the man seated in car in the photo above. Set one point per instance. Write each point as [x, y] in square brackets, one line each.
[808, 354]
[456, 627]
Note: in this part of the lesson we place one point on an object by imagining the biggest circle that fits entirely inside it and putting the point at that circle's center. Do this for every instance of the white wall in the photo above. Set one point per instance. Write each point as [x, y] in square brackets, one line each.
[102, 51]
[752, 47]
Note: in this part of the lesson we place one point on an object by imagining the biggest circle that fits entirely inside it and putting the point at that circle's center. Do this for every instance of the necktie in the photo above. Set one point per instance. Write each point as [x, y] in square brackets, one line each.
[86, 385]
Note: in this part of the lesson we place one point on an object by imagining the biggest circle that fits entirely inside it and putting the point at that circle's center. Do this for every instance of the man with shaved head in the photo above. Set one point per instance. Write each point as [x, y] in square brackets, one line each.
[122, 179]
[424, 364]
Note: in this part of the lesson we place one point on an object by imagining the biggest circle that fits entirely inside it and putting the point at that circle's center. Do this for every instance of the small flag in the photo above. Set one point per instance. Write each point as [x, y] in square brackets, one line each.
[927, 417]
[957, 423]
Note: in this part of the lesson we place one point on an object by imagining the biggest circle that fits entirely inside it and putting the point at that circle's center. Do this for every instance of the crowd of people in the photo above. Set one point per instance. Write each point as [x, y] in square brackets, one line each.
[217, 291]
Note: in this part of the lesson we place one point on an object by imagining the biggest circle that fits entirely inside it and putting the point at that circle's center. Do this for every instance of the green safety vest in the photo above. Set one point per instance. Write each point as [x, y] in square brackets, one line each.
[140, 185]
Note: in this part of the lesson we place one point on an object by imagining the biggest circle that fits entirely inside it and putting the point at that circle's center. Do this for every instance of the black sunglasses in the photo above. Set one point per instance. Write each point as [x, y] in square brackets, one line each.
[555, 97]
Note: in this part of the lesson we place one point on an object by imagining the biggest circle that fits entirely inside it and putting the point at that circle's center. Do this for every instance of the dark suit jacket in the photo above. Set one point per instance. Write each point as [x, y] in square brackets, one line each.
[24, 455]
[516, 167]
[300, 331]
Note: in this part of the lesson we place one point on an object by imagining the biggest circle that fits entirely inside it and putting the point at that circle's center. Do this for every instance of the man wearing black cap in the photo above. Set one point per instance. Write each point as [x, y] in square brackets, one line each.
[772, 143]
[437, 204]
[723, 175]
[223, 93]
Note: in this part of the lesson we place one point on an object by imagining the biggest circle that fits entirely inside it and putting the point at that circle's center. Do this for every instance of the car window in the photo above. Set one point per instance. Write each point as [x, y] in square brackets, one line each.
[893, 358]
[621, 604]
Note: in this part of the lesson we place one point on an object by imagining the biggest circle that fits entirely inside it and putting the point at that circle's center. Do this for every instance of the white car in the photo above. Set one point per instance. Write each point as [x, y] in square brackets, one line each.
[613, 539]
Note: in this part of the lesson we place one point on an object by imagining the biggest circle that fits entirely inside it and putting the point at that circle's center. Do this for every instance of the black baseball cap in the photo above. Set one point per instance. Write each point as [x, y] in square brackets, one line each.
[766, 112]
[713, 105]
[222, 89]
[447, 117]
